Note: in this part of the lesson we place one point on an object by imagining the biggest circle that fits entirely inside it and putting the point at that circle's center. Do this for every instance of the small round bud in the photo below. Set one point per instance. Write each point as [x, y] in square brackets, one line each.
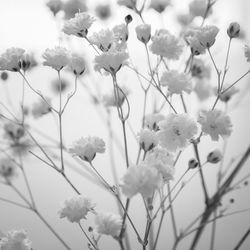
[143, 33]
[246, 183]
[90, 229]
[192, 164]
[128, 19]
[214, 156]
[231, 200]
[4, 76]
[233, 30]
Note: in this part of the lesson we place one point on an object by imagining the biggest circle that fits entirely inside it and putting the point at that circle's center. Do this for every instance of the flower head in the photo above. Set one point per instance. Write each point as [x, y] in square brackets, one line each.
[15, 240]
[152, 120]
[7, 169]
[13, 132]
[176, 131]
[40, 108]
[199, 69]
[86, 148]
[203, 90]
[78, 25]
[10, 59]
[198, 7]
[166, 45]
[207, 34]
[141, 179]
[70, 7]
[103, 11]
[54, 5]
[159, 5]
[77, 64]
[233, 30]
[128, 3]
[109, 224]
[147, 139]
[121, 32]
[143, 32]
[215, 123]
[56, 58]
[176, 82]
[76, 208]
[215, 156]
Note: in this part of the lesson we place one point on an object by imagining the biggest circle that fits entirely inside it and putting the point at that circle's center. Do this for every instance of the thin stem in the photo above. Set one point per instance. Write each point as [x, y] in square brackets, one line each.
[14, 203]
[242, 240]
[89, 240]
[172, 213]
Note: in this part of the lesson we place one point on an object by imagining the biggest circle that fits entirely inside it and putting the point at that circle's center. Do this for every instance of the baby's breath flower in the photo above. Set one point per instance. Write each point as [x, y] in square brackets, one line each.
[15, 240]
[152, 120]
[86, 148]
[176, 82]
[198, 8]
[141, 179]
[54, 5]
[143, 32]
[233, 30]
[159, 5]
[40, 108]
[77, 64]
[109, 224]
[176, 131]
[215, 123]
[7, 169]
[128, 3]
[13, 131]
[203, 90]
[207, 34]
[247, 52]
[184, 19]
[192, 40]
[76, 208]
[121, 32]
[193, 163]
[215, 156]
[166, 45]
[147, 139]
[58, 85]
[70, 7]
[10, 59]
[78, 25]
[199, 69]
[103, 11]
[56, 58]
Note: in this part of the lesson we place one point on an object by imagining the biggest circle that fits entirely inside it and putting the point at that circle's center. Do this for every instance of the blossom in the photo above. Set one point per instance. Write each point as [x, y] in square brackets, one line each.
[77, 64]
[233, 30]
[103, 11]
[7, 169]
[166, 45]
[13, 131]
[121, 32]
[193, 163]
[103, 39]
[57, 85]
[198, 7]
[143, 32]
[206, 35]
[162, 161]
[128, 3]
[78, 25]
[203, 90]
[147, 139]
[111, 61]
[152, 120]
[109, 224]
[215, 123]
[191, 38]
[41, 108]
[76, 208]
[199, 69]
[54, 5]
[159, 5]
[141, 179]
[215, 156]
[247, 52]
[70, 7]
[176, 82]
[56, 58]
[10, 59]
[15, 240]
[176, 131]
[86, 148]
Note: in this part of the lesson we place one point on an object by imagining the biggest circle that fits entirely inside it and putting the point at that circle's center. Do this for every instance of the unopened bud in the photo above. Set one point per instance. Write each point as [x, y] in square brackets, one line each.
[192, 164]
[128, 19]
[233, 30]
[214, 156]
[143, 33]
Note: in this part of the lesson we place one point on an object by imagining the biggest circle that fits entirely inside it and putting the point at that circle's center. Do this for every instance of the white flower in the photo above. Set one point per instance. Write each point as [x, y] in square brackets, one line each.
[176, 82]
[78, 25]
[191, 38]
[247, 52]
[198, 8]
[15, 240]
[54, 5]
[159, 5]
[13, 131]
[203, 90]
[143, 32]
[147, 139]
[141, 179]
[184, 19]
[152, 120]
[56, 58]
[70, 7]
[128, 3]
[121, 32]
[215, 156]
[103, 39]
[86, 148]
[166, 45]
[76, 208]
[111, 61]
[109, 224]
[206, 35]
[199, 69]
[215, 123]
[77, 64]
[7, 169]
[10, 59]
[176, 131]
[160, 159]
[40, 108]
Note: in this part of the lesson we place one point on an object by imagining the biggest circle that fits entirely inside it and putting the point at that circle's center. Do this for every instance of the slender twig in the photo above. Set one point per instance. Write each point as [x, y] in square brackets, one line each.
[242, 240]
[88, 238]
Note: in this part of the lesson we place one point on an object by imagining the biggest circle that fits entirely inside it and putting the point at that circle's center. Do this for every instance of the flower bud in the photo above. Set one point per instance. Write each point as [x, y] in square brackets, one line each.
[214, 156]
[233, 30]
[143, 32]
[192, 164]
[128, 19]
[4, 75]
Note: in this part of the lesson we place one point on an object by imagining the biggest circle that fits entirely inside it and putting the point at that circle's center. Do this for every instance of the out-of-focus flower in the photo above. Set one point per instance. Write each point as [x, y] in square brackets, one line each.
[13, 131]
[86, 148]
[176, 82]
[233, 30]
[128, 3]
[166, 45]
[203, 90]
[71, 7]
[55, 85]
[192, 40]
[141, 179]
[198, 8]
[4, 76]
[109, 224]
[247, 52]
[103, 11]
[78, 25]
[184, 19]
[193, 163]
[56, 58]
[147, 139]
[76, 208]
[121, 32]
[15, 240]
[207, 34]
[152, 120]
[55, 6]
[40, 108]
[199, 69]
[162, 161]
[176, 131]
[215, 123]
[77, 64]
[159, 5]
[111, 61]
[7, 169]
[215, 156]
[103, 39]
[143, 32]
[226, 96]
[10, 59]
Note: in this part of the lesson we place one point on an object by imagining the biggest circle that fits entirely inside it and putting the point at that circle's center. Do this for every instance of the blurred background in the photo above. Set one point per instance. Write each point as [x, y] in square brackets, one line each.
[31, 25]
